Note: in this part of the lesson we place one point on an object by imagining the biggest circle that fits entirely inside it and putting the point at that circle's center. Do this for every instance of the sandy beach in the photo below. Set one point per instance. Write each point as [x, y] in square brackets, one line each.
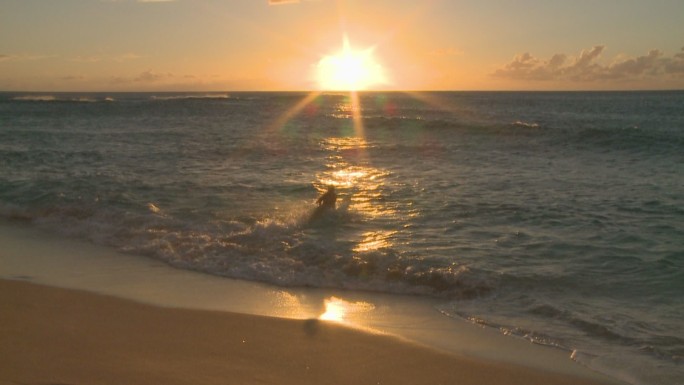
[61, 336]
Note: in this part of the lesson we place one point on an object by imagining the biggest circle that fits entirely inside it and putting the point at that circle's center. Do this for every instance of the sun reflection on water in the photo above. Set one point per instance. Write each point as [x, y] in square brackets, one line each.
[345, 143]
[374, 240]
[349, 169]
[369, 201]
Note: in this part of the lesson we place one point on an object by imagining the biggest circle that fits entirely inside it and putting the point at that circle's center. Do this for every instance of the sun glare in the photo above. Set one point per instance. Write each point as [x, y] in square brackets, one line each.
[338, 310]
[350, 70]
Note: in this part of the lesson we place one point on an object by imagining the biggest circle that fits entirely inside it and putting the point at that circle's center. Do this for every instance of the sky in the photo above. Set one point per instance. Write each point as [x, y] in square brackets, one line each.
[281, 45]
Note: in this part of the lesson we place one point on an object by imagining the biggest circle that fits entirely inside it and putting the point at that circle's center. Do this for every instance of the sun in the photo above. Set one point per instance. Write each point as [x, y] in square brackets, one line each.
[350, 70]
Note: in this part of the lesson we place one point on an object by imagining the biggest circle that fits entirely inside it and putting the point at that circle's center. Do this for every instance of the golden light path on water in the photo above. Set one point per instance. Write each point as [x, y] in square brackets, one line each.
[375, 240]
[349, 166]
[359, 185]
[349, 169]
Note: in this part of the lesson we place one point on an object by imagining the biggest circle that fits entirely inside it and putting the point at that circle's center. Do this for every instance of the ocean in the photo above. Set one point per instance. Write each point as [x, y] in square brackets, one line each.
[556, 217]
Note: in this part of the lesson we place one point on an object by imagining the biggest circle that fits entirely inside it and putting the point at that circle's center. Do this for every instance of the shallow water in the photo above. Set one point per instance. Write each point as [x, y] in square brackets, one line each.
[553, 216]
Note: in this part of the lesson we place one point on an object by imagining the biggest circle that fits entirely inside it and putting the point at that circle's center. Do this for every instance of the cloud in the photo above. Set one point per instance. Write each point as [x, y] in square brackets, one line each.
[126, 56]
[281, 2]
[675, 66]
[88, 59]
[152, 77]
[22, 57]
[648, 64]
[148, 76]
[138, 1]
[586, 67]
[100, 58]
[586, 58]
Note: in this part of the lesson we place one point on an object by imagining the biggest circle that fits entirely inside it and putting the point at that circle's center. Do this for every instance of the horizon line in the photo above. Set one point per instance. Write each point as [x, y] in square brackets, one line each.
[345, 91]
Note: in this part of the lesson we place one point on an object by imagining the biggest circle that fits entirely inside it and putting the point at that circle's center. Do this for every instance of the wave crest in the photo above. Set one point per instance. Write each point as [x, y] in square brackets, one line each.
[283, 251]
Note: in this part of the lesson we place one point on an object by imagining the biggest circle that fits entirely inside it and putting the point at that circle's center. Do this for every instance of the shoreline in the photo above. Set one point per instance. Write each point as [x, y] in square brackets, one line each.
[56, 335]
[41, 258]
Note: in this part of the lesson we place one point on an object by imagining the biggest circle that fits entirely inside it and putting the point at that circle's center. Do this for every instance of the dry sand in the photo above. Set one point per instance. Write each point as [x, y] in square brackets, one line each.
[58, 336]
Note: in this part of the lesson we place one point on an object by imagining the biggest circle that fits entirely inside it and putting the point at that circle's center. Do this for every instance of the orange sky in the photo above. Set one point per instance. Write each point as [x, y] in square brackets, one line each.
[212, 45]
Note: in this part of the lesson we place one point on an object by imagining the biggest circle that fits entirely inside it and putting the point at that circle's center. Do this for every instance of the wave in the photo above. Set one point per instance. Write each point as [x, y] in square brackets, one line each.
[191, 97]
[35, 98]
[452, 124]
[99, 98]
[520, 123]
[287, 251]
[637, 140]
[61, 99]
[606, 342]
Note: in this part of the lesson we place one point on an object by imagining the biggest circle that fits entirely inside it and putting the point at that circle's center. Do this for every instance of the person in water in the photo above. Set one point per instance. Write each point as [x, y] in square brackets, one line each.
[328, 199]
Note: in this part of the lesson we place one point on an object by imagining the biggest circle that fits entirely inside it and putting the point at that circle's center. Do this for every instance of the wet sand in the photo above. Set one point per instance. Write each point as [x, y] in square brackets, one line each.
[62, 336]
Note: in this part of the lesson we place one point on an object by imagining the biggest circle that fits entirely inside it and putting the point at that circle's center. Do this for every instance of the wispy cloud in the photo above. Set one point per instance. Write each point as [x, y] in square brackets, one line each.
[282, 2]
[95, 58]
[586, 67]
[138, 1]
[87, 59]
[148, 76]
[119, 58]
[73, 77]
[22, 57]
[152, 77]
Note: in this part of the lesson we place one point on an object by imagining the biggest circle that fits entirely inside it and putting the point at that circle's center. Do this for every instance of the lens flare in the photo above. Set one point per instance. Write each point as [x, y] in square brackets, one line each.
[350, 70]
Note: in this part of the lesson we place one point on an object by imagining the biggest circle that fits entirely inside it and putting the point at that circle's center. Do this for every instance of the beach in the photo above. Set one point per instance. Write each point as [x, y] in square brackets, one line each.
[73, 312]
[61, 336]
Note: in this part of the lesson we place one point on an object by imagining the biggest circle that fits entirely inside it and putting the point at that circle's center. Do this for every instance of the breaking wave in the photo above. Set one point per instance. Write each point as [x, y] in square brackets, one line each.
[289, 251]
[191, 97]
[62, 99]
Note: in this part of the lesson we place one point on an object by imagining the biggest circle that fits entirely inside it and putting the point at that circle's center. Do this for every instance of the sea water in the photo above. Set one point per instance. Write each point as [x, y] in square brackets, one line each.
[555, 217]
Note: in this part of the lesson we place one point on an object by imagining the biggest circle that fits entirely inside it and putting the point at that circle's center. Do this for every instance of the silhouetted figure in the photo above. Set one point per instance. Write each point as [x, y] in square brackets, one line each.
[328, 199]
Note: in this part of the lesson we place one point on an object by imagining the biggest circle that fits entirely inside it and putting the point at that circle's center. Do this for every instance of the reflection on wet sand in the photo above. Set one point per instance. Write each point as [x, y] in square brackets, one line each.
[339, 310]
